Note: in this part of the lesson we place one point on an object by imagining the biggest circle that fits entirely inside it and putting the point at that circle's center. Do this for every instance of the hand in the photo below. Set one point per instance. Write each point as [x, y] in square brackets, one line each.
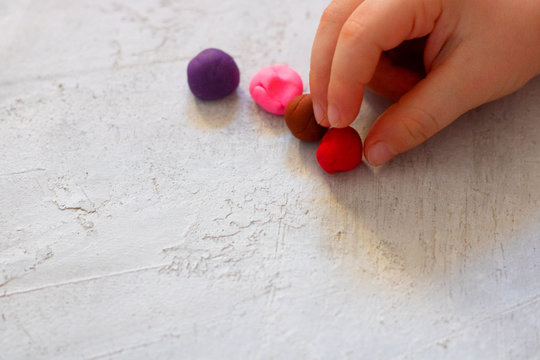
[473, 52]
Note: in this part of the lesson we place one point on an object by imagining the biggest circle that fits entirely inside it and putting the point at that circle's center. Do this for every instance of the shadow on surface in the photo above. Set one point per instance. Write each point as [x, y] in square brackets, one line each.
[215, 114]
[459, 199]
[267, 123]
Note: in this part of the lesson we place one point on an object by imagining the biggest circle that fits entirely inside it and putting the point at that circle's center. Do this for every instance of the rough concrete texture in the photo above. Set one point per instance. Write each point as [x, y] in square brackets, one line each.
[140, 223]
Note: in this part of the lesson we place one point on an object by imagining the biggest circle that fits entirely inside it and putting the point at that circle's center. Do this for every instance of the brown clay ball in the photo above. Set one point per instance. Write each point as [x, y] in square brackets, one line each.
[301, 120]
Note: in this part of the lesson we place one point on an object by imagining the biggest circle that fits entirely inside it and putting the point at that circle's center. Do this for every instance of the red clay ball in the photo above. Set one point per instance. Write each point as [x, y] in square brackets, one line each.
[340, 150]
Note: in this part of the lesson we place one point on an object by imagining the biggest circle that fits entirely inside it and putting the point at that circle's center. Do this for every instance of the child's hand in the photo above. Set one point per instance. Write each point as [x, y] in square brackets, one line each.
[476, 51]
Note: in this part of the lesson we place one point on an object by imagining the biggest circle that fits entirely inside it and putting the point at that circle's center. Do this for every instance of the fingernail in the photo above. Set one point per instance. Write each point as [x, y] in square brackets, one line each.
[379, 153]
[333, 115]
[317, 111]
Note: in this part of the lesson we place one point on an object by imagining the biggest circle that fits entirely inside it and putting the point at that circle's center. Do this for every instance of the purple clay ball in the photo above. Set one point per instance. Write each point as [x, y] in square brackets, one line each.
[212, 74]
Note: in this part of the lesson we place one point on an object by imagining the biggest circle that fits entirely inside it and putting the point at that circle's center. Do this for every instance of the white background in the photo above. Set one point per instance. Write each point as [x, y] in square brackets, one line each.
[139, 223]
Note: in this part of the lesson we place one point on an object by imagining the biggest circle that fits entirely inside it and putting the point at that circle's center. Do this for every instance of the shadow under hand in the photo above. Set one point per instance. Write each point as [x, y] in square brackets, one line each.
[468, 196]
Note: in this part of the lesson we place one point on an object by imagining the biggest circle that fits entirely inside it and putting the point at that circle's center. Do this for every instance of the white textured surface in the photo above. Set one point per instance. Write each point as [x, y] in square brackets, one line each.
[139, 223]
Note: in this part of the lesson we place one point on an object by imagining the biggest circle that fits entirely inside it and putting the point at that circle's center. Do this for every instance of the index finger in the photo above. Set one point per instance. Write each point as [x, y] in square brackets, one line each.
[373, 27]
[322, 52]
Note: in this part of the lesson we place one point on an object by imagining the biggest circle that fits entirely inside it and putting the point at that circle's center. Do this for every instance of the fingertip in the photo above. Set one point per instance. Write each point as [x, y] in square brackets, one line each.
[380, 143]
[318, 112]
[378, 153]
[344, 103]
[333, 115]
[319, 104]
[324, 122]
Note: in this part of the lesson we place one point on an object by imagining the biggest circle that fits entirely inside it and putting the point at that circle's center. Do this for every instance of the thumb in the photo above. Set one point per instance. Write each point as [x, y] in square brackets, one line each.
[447, 92]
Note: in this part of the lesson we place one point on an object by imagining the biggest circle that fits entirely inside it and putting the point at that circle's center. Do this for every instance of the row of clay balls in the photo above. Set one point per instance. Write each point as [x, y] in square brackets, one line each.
[213, 74]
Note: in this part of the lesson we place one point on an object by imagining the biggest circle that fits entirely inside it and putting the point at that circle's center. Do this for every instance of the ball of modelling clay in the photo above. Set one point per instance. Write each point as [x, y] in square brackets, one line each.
[340, 150]
[274, 86]
[301, 120]
[212, 74]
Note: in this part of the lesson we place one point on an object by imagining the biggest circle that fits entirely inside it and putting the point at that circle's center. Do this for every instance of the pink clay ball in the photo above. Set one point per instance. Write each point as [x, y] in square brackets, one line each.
[274, 86]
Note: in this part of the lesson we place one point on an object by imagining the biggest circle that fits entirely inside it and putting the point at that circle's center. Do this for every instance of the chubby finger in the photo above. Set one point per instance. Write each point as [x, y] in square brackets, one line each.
[392, 81]
[373, 27]
[322, 52]
[447, 92]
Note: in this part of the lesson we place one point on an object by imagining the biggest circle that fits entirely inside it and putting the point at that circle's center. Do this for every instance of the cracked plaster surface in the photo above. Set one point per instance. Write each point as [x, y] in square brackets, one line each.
[137, 222]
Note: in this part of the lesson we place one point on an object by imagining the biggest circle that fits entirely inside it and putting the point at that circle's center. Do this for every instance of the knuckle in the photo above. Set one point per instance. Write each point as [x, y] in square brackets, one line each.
[353, 30]
[330, 15]
[420, 125]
